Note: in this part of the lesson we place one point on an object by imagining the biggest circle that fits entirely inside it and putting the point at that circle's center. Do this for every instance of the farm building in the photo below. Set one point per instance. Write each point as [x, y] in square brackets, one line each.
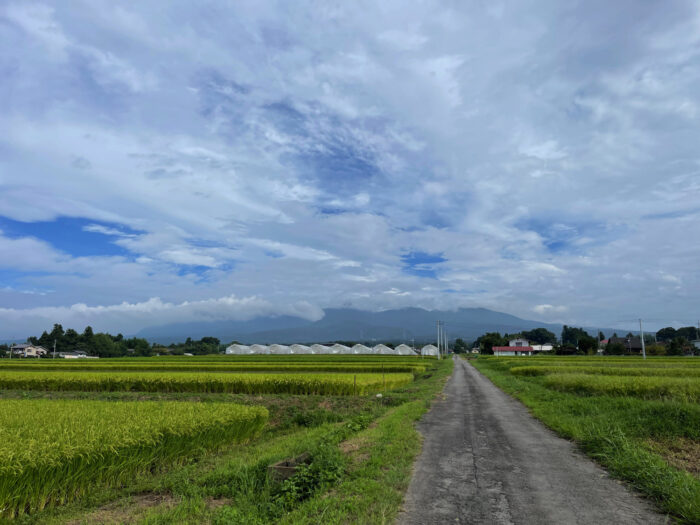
[340, 349]
[301, 349]
[429, 350]
[383, 350]
[404, 350]
[260, 349]
[237, 349]
[27, 350]
[361, 349]
[280, 349]
[512, 350]
[320, 349]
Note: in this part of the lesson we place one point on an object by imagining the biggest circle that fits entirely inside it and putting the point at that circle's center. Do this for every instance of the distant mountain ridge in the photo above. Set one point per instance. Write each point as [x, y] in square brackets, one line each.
[350, 324]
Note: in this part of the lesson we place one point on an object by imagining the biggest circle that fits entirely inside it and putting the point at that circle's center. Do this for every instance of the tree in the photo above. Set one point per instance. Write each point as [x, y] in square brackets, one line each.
[601, 336]
[615, 349]
[666, 334]
[540, 336]
[487, 341]
[676, 346]
[104, 346]
[690, 333]
[655, 349]
[460, 346]
[578, 338]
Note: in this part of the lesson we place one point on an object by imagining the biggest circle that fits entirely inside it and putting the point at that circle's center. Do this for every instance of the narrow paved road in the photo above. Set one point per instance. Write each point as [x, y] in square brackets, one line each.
[485, 459]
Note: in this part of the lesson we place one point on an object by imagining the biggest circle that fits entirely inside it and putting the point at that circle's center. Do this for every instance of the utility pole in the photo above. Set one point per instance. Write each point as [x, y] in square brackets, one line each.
[641, 336]
[439, 338]
[54, 349]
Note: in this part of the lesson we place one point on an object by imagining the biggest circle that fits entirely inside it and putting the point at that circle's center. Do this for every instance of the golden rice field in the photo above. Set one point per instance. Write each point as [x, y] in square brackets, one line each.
[54, 451]
[181, 381]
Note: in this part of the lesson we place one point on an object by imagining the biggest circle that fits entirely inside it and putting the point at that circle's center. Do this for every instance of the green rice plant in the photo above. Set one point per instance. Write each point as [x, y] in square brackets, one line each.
[234, 383]
[55, 451]
[677, 388]
[609, 370]
[110, 366]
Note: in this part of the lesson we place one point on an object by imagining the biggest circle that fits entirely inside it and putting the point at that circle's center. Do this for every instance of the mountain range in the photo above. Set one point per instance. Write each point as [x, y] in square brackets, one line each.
[346, 324]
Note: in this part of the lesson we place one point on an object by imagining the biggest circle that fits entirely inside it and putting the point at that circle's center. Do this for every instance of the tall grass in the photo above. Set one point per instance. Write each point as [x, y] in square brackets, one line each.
[54, 451]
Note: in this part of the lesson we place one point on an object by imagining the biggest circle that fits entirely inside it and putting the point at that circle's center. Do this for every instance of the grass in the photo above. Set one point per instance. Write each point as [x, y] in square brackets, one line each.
[358, 472]
[616, 428]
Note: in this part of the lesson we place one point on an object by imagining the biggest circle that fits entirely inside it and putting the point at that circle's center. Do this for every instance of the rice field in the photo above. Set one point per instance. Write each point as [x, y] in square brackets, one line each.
[54, 451]
[60, 447]
[183, 381]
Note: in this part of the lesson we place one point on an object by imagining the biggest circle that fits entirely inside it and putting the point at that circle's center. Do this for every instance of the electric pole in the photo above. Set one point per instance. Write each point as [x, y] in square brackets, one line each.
[54, 349]
[641, 336]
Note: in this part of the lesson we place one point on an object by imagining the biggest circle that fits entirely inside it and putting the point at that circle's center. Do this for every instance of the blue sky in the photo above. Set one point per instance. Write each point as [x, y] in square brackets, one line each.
[165, 162]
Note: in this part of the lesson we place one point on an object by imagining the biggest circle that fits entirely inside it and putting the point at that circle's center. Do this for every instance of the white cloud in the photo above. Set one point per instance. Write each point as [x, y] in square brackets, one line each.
[543, 160]
[545, 309]
[130, 317]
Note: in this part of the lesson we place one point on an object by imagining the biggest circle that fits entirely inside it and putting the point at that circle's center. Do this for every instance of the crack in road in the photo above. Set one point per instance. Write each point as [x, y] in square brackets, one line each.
[485, 459]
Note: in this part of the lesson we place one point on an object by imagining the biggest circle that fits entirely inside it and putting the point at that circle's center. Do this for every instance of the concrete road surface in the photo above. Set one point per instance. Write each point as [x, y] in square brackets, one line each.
[485, 459]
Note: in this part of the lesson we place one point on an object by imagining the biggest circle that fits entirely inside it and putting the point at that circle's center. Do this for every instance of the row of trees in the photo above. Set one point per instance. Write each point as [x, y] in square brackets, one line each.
[576, 341]
[107, 345]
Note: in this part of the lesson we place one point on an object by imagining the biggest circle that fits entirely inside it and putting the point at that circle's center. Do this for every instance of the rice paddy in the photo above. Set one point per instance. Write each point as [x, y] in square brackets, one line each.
[71, 431]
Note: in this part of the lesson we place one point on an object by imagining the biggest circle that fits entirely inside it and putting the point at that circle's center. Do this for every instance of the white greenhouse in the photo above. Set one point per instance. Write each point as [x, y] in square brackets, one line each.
[340, 349]
[280, 349]
[320, 349]
[301, 349]
[237, 349]
[429, 350]
[404, 350]
[260, 349]
[361, 349]
[383, 350]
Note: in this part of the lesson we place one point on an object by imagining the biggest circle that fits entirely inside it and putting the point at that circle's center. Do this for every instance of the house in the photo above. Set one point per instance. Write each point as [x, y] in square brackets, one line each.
[512, 350]
[28, 350]
[79, 354]
[542, 348]
[633, 345]
[518, 342]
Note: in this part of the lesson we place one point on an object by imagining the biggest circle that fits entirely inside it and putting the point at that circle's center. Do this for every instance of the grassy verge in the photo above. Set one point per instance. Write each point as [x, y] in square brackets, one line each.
[617, 432]
[361, 451]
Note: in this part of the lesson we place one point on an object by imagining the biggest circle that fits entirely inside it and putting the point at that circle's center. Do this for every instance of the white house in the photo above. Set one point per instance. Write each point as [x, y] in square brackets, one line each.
[518, 342]
[27, 350]
[512, 350]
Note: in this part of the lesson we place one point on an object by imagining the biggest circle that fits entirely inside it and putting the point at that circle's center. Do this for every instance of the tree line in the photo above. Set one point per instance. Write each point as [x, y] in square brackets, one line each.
[577, 341]
[103, 344]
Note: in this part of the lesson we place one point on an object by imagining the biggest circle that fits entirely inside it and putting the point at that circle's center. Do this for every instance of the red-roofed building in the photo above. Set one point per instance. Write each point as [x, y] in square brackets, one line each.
[512, 350]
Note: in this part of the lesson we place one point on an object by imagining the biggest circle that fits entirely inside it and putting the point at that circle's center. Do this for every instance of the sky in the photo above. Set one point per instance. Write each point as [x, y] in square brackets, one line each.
[170, 161]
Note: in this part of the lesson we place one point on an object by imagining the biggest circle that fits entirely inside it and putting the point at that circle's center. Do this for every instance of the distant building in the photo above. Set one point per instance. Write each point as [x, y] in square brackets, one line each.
[696, 343]
[633, 345]
[542, 348]
[512, 350]
[28, 350]
[78, 354]
[518, 342]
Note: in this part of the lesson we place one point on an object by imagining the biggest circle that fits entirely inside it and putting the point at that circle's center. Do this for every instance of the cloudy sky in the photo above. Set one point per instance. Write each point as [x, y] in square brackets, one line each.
[168, 161]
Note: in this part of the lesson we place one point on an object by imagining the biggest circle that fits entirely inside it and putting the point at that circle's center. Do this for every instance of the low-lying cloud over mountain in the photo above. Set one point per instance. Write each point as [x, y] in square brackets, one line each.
[404, 324]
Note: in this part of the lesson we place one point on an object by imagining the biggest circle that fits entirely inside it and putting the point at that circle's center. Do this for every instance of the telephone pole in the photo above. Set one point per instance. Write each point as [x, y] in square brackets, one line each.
[641, 336]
